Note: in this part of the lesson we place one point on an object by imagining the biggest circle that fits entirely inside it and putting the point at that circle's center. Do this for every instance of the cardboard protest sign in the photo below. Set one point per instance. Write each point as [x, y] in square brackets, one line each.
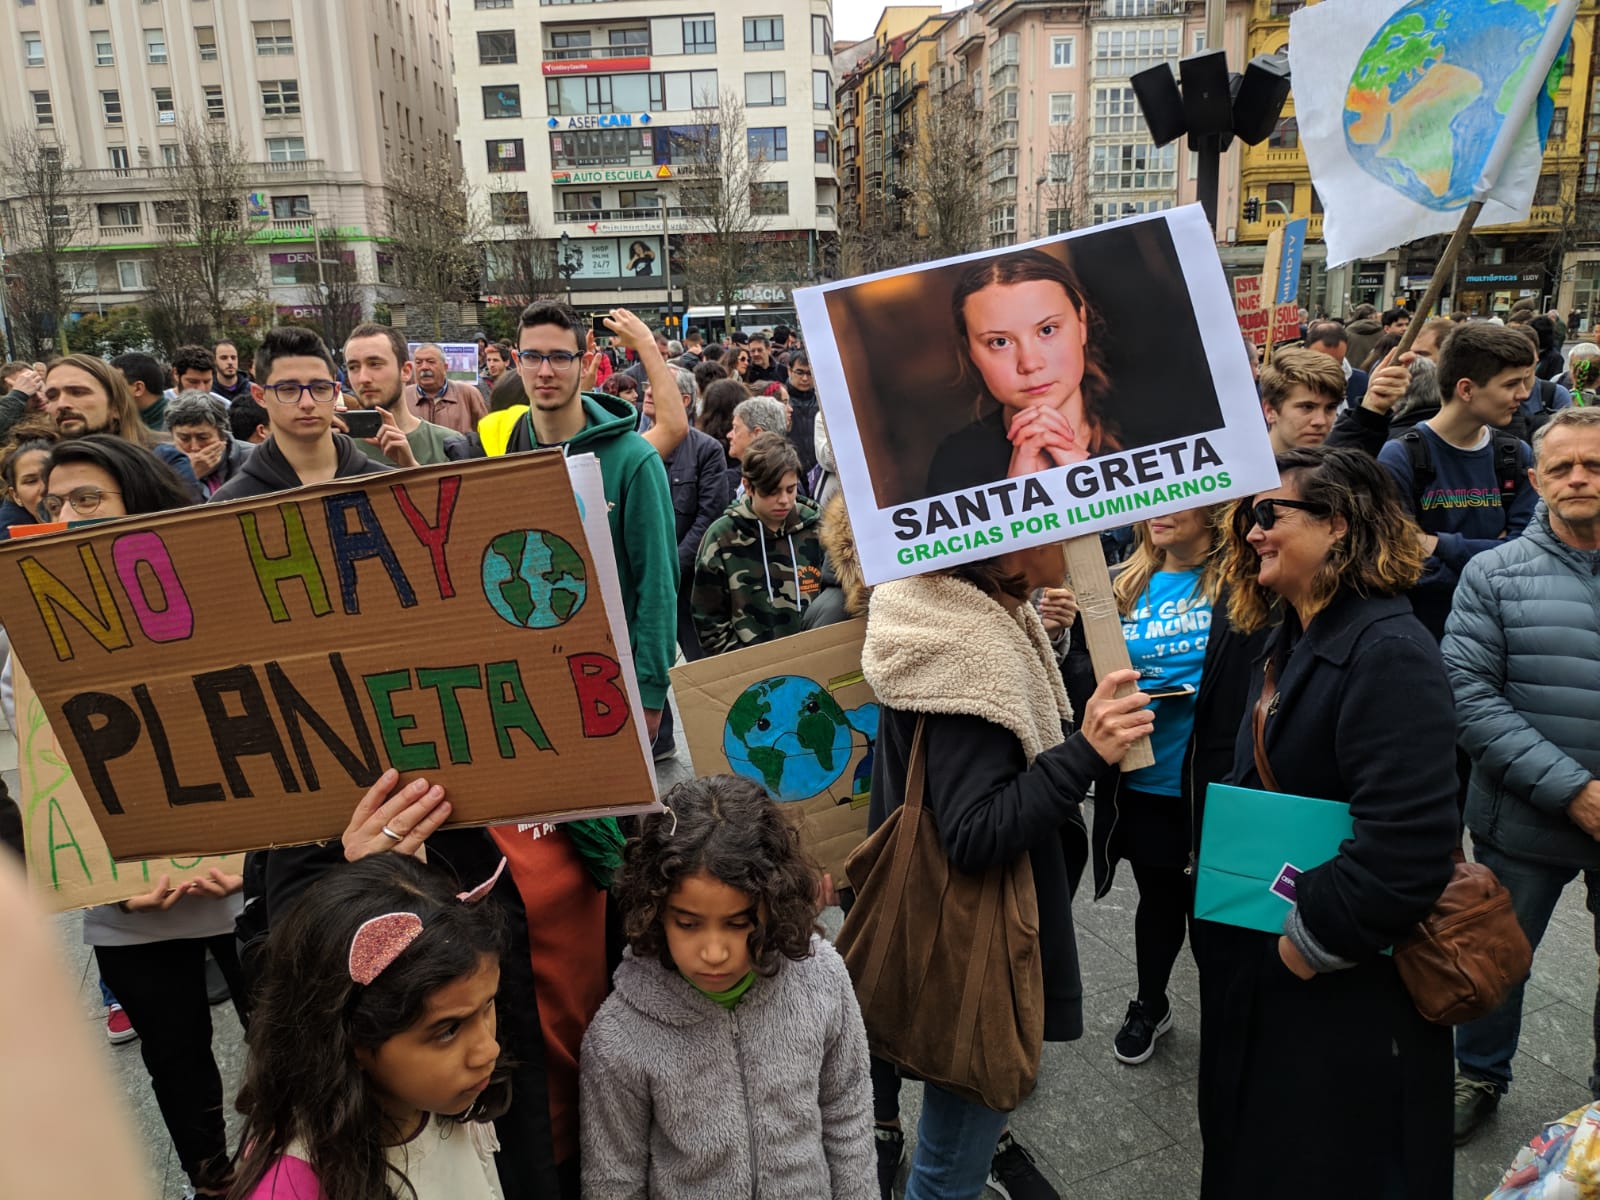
[1028, 395]
[68, 863]
[234, 676]
[797, 717]
[1253, 319]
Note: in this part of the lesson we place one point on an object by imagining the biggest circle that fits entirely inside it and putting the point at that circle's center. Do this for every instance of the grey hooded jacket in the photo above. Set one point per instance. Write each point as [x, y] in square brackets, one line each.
[1521, 646]
[681, 1098]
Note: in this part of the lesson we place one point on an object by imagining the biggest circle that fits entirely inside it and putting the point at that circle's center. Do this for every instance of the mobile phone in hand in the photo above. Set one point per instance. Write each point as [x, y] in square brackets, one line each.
[1168, 691]
[600, 327]
[362, 422]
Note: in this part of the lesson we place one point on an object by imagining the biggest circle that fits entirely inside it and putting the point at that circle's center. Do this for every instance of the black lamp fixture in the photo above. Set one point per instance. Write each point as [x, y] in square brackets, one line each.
[1213, 106]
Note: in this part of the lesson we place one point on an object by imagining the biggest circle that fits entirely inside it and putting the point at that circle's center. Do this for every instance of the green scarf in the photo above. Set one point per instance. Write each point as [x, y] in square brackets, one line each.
[730, 997]
[599, 843]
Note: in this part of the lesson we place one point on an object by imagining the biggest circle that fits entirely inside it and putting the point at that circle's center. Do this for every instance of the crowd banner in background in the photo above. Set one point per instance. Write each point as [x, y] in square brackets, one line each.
[1028, 395]
[460, 359]
[235, 676]
[797, 717]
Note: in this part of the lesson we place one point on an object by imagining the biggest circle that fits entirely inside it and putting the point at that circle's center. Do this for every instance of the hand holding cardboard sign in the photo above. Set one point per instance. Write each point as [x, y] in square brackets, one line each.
[398, 823]
[158, 899]
[1388, 384]
[1058, 609]
[216, 884]
[1112, 723]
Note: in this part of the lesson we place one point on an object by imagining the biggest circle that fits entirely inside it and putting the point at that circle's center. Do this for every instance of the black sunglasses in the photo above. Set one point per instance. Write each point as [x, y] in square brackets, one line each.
[1265, 512]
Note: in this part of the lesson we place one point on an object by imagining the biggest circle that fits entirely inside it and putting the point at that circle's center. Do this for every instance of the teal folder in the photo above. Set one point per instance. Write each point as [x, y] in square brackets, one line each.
[1253, 845]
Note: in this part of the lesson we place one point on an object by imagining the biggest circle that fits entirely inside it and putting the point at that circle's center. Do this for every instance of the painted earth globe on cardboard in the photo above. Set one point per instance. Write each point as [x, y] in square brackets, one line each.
[1439, 65]
[789, 734]
[534, 579]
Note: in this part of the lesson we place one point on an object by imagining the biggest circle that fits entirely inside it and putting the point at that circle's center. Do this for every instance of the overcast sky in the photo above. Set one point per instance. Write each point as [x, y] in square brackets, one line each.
[855, 19]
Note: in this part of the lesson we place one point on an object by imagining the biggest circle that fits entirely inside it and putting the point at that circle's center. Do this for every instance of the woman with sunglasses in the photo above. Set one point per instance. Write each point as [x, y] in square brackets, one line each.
[1309, 1043]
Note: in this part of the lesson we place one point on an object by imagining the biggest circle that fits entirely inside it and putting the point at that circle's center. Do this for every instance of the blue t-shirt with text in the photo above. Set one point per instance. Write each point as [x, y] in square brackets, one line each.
[1166, 634]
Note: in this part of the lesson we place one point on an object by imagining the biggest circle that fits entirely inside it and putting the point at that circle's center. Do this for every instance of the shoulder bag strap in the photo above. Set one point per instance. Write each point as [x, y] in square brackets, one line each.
[1269, 692]
[905, 836]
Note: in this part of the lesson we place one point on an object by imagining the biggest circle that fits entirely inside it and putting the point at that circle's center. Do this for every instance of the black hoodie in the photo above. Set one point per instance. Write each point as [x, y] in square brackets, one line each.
[267, 471]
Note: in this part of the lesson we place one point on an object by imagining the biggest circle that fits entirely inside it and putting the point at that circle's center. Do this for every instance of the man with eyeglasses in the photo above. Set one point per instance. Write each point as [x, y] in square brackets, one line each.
[437, 398]
[297, 381]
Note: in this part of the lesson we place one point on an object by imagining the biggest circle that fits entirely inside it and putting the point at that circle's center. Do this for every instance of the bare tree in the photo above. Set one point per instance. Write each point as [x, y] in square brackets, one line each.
[337, 297]
[46, 216]
[725, 199]
[175, 307]
[519, 261]
[434, 231]
[946, 182]
[1063, 193]
[207, 222]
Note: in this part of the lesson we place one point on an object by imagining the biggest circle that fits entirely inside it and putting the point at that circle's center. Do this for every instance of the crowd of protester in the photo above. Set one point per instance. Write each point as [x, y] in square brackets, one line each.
[651, 1009]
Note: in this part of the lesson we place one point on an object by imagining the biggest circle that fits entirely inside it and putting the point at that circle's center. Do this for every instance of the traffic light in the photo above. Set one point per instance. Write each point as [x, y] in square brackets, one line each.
[1252, 208]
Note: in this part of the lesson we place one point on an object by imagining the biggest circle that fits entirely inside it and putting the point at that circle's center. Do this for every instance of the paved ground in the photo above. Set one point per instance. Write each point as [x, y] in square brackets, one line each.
[1101, 1130]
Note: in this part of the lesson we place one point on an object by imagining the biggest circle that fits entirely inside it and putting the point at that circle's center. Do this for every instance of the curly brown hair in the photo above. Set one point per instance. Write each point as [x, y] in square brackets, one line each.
[729, 828]
[1379, 555]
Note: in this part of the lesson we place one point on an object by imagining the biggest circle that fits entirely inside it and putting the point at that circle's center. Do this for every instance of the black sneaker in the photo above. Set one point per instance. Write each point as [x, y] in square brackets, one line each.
[1476, 1101]
[1014, 1175]
[1136, 1040]
[891, 1146]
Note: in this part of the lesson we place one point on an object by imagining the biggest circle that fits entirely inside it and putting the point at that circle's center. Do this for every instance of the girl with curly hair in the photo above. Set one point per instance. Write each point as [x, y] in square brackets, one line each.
[731, 1058]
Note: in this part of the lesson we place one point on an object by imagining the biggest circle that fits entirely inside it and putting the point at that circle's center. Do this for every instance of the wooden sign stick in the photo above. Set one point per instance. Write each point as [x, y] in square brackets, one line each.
[1102, 628]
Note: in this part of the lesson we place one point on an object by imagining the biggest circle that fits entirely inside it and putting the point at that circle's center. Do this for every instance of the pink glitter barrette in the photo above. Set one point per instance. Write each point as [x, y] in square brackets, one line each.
[378, 942]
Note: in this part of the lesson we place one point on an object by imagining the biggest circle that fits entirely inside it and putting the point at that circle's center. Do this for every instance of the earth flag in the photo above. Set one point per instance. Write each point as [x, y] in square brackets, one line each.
[1411, 109]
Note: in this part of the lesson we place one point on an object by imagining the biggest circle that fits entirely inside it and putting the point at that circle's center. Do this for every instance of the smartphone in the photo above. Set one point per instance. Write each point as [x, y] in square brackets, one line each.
[600, 327]
[1168, 691]
[362, 422]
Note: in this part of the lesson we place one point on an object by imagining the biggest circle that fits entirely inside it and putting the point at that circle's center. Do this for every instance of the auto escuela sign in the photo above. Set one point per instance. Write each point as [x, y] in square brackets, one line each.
[1032, 410]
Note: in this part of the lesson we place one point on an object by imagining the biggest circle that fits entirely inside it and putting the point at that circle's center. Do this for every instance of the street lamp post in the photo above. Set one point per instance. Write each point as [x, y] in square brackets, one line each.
[567, 263]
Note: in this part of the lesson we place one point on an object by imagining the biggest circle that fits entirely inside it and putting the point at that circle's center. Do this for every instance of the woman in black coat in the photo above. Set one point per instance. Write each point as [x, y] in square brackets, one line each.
[1313, 1059]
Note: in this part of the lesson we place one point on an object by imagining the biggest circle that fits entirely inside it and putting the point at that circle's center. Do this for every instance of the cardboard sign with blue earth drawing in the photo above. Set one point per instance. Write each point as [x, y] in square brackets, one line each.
[235, 676]
[797, 717]
[1031, 394]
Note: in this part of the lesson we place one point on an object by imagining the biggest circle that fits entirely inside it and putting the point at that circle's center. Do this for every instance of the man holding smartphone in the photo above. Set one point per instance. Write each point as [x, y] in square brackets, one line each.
[379, 368]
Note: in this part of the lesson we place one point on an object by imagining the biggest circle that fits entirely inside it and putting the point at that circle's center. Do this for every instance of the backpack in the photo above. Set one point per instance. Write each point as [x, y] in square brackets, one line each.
[1507, 468]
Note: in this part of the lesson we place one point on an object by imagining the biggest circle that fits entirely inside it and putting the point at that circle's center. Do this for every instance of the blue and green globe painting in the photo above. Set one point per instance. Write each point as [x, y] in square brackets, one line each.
[790, 735]
[1431, 90]
[534, 579]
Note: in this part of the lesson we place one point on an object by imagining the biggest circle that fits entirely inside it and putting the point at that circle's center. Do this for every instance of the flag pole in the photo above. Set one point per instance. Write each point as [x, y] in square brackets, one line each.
[1446, 268]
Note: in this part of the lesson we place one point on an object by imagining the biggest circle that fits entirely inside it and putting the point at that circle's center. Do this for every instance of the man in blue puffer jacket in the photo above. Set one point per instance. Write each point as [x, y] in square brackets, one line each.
[1522, 645]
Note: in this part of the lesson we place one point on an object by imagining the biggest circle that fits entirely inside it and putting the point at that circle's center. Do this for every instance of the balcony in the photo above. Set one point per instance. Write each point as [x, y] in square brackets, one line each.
[904, 95]
[1133, 10]
[173, 229]
[121, 231]
[593, 53]
[591, 216]
[105, 179]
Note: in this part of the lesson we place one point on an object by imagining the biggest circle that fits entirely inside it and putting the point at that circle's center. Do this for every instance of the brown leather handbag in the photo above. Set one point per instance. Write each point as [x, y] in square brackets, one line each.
[1464, 957]
[945, 964]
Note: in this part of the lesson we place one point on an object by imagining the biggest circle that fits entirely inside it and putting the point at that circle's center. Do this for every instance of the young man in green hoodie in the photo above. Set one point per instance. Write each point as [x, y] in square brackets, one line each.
[760, 562]
[550, 362]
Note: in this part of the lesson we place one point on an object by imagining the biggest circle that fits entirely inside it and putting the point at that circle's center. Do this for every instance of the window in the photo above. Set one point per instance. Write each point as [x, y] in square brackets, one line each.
[1005, 53]
[700, 35]
[216, 110]
[111, 107]
[1136, 166]
[171, 214]
[32, 50]
[1558, 125]
[1057, 220]
[497, 47]
[1547, 192]
[273, 37]
[502, 101]
[290, 208]
[1316, 201]
[1063, 50]
[483, 4]
[764, 89]
[1285, 134]
[169, 155]
[205, 37]
[822, 146]
[1116, 111]
[118, 216]
[131, 275]
[119, 158]
[506, 155]
[1280, 194]
[166, 114]
[607, 147]
[821, 37]
[769, 199]
[583, 202]
[769, 145]
[639, 198]
[104, 54]
[821, 90]
[1123, 52]
[1061, 167]
[763, 33]
[286, 149]
[1002, 224]
[1061, 107]
[637, 39]
[280, 97]
[155, 46]
[508, 208]
[1112, 210]
[43, 115]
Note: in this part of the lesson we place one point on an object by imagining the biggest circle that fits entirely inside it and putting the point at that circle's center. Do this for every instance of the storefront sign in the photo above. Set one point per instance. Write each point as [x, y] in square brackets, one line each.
[600, 121]
[609, 175]
[595, 66]
[1504, 275]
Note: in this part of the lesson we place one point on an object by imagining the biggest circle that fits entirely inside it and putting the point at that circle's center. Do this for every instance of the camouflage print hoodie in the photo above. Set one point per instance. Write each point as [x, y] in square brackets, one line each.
[751, 584]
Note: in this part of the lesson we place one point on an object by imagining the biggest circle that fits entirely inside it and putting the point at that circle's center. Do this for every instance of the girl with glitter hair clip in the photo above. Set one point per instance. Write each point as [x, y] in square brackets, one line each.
[374, 1065]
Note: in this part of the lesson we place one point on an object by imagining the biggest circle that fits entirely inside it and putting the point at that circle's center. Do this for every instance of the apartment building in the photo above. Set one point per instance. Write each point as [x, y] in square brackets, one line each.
[592, 152]
[1065, 143]
[328, 101]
